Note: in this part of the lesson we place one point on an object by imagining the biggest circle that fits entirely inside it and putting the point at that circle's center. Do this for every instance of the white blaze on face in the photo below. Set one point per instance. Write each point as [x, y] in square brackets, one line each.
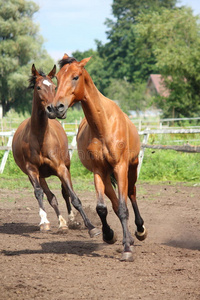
[46, 82]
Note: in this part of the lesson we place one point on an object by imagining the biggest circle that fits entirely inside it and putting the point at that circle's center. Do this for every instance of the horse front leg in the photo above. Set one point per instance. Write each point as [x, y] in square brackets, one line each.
[39, 194]
[121, 175]
[65, 178]
[108, 234]
[54, 203]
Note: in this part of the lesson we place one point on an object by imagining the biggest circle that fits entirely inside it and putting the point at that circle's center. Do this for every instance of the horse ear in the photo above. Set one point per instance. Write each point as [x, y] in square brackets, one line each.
[34, 71]
[65, 56]
[53, 72]
[84, 61]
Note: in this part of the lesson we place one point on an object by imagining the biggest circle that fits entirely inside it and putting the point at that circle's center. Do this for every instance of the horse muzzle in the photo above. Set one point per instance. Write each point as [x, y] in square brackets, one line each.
[57, 111]
[51, 113]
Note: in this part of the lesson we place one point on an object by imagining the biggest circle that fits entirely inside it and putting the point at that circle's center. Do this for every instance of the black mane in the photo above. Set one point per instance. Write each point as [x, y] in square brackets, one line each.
[32, 79]
[66, 61]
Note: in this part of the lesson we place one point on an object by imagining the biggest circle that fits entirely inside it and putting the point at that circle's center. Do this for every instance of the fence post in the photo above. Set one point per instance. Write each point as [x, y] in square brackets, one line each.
[141, 154]
[5, 156]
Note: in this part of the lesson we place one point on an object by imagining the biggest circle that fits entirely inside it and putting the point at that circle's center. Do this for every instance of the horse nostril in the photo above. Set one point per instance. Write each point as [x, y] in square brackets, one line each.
[60, 107]
[49, 108]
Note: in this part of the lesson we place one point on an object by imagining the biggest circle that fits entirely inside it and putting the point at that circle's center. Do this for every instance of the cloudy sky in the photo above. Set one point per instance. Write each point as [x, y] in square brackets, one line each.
[69, 25]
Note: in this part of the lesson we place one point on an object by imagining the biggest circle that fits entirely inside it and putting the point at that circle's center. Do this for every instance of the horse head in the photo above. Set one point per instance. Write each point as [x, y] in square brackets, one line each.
[44, 89]
[70, 80]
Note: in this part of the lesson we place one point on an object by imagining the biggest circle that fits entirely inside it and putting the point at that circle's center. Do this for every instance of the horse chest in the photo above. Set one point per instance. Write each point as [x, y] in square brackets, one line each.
[100, 153]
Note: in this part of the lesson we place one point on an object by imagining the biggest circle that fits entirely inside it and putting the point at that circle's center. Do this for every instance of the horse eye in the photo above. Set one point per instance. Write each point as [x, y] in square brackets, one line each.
[56, 88]
[76, 78]
[38, 88]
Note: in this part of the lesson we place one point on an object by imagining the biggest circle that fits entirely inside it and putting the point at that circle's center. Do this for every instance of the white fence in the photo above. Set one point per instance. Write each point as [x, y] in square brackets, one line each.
[145, 133]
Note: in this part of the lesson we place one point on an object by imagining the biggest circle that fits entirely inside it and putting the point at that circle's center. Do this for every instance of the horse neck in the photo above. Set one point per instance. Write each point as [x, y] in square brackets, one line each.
[94, 106]
[39, 119]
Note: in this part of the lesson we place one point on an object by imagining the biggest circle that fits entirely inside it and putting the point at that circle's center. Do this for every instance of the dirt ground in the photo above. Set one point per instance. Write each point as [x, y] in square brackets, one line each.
[53, 266]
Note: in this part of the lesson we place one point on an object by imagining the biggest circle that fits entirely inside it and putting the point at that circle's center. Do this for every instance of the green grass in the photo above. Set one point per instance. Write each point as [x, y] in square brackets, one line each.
[165, 165]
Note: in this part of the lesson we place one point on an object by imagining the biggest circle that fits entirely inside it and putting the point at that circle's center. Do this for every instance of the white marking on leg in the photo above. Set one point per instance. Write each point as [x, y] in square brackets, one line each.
[46, 82]
[43, 216]
[71, 216]
[62, 222]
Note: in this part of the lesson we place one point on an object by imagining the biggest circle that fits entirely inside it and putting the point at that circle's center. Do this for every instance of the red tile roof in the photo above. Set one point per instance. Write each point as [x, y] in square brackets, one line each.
[158, 83]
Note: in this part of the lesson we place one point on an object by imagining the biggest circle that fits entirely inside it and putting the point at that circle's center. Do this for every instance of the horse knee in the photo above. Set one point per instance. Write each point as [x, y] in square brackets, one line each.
[39, 193]
[122, 211]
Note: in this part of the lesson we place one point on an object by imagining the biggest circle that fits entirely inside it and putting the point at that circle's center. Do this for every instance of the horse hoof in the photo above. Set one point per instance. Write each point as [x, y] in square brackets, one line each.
[141, 236]
[112, 241]
[94, 232]
[45, 227]
[74, 225]
[63, 229]
[127, 256]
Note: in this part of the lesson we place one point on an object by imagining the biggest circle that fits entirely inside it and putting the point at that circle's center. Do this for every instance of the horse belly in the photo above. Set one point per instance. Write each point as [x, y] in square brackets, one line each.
[46, 171]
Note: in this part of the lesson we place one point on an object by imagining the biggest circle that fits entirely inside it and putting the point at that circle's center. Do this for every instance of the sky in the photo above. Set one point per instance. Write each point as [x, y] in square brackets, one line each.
[70, 25]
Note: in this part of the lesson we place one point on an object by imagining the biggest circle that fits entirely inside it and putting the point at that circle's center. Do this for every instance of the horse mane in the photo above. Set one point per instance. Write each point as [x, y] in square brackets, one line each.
[32, 79]
[66, 61]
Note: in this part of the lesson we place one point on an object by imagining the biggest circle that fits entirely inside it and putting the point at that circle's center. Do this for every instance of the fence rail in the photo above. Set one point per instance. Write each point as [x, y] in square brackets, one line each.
[145, 133]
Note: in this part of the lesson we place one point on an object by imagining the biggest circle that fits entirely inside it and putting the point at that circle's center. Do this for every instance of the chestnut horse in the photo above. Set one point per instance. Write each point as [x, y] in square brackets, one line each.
[108, 144]
[40, 149]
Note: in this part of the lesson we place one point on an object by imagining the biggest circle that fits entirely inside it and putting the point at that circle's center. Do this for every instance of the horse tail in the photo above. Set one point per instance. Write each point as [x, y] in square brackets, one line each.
[113, 180]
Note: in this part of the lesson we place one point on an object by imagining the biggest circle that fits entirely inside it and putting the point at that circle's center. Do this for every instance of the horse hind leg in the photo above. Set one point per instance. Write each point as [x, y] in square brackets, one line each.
[54, 203]
[72, 223]
[141, 232]
[69, 208]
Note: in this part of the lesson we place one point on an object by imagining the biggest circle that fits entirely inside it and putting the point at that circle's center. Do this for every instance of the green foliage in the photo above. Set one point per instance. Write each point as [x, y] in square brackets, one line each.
[128, 9]
[128, 96]
[173, 38]
[74, 114]
[20, 46]
[120, 52]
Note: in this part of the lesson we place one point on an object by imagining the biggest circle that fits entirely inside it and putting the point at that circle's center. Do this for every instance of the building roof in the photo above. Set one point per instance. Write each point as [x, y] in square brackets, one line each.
[155, 84]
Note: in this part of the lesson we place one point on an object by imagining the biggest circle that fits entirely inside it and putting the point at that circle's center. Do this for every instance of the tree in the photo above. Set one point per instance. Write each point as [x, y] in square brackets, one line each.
[127, 95]
[119, 53]
[173, 38]
[20, 46]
